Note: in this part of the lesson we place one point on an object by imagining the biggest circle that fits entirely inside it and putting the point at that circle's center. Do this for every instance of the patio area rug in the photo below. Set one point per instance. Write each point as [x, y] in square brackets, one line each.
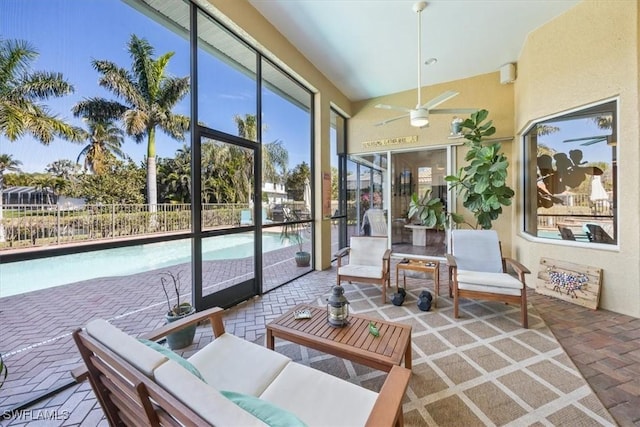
[481, 369]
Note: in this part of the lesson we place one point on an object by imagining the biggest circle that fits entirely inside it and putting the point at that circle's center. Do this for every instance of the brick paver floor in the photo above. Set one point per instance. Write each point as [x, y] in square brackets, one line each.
[605, 346]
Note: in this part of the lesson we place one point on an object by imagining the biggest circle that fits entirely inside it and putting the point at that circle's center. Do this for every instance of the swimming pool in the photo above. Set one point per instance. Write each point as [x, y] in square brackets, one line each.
[31, 275]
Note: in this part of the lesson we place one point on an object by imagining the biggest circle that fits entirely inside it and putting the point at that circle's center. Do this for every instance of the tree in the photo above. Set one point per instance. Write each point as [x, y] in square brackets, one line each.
[105, 140]
[296, 180]
[63, 168]
[122, 183]
[483, 182]
[7, 163]
[21, 93]
[174, 177]
[148, 96]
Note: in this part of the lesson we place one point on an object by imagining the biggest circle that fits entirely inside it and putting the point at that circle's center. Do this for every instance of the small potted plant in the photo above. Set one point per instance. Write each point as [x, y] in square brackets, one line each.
[180, 309]
[292, 232]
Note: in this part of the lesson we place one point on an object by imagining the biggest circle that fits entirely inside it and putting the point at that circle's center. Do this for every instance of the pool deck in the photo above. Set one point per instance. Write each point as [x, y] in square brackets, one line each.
[36, 338]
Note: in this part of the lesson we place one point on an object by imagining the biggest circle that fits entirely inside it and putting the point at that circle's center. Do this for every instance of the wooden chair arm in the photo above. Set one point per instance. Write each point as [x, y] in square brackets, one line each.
[387, 255]
[214, 315]
[342, 252]
[517, 267]
[80, 373]
[388, 406]
[451, 261]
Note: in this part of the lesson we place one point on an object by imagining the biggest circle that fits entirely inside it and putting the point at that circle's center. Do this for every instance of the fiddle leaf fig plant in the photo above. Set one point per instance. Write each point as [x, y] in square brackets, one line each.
[482, 183]
[431, 211]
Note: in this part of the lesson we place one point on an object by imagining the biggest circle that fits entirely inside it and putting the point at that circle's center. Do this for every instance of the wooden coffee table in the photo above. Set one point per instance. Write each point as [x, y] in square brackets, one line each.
[352, 342]
[423, 266]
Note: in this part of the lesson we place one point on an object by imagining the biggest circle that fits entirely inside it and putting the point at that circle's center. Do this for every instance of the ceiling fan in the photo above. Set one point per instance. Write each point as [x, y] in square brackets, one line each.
[419, 116]
[590, 140]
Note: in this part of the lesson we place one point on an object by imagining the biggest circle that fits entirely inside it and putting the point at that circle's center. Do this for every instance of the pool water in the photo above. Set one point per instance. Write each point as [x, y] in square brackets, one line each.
[31, 275]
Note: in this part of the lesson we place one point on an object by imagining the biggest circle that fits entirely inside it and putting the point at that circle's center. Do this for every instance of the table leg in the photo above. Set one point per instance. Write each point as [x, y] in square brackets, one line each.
[436, 282]
[270, 340]
[407, 355]
[397, 290]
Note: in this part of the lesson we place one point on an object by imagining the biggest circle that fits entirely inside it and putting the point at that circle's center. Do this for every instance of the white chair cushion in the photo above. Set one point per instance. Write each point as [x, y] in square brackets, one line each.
[231, 363]
[367, 250]
[145, 359]
[361, 271]
[202, 398]
[477, 250]
[319, 399]
[495, 283]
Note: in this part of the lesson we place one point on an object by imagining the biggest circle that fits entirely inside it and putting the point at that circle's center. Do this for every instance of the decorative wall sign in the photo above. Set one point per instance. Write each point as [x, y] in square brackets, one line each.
[400, 140]
[575, 283]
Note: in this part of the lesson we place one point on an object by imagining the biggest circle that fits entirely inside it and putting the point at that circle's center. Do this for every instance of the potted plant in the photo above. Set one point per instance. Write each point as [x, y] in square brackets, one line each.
[292, 232]
[483, 182]
[180, 309]
[431, 212]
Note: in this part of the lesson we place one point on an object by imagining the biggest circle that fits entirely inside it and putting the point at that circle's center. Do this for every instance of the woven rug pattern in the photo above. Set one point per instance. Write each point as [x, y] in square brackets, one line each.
[482, 369]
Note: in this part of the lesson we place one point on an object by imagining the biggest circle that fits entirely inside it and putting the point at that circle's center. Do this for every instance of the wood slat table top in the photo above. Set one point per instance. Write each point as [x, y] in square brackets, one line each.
[352, 342]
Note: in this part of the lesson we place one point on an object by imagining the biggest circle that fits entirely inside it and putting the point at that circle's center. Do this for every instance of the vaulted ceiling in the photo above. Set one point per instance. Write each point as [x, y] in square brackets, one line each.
[370, 48]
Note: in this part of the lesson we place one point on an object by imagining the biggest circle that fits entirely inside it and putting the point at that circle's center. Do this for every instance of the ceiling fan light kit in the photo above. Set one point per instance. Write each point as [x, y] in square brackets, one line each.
[419, 116]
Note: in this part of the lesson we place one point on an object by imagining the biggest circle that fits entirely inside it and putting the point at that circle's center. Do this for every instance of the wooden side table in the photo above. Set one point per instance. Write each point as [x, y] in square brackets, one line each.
[423, 266]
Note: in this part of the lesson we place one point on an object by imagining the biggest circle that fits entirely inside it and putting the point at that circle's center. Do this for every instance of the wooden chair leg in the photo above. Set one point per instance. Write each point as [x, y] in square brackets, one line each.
[523, 309]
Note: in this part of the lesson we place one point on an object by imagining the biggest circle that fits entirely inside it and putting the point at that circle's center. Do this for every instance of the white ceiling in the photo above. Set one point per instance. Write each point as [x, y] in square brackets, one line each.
[370, 48]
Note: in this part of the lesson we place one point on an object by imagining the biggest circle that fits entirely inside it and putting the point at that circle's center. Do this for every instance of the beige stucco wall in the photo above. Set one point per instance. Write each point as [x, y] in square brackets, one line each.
[589, 54]
[483, 91]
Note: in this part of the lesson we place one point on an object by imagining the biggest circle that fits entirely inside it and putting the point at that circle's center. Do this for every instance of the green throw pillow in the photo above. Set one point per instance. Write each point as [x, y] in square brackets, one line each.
[172, 356]
[268, 413]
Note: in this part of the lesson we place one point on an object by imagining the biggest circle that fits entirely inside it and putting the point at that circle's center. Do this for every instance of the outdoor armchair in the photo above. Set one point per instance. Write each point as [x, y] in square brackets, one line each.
[477, 270]
[369, 262]
[377, 222]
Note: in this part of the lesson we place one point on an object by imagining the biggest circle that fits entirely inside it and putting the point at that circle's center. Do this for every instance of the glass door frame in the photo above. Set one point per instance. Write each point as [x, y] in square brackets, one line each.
[388, 178]
[251, 287]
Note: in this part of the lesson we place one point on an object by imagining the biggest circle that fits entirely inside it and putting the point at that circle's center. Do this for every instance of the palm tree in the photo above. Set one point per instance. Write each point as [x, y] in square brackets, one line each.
[148, 95]
[7, 163]
[20, 92]
[274, 155]
[105, 139]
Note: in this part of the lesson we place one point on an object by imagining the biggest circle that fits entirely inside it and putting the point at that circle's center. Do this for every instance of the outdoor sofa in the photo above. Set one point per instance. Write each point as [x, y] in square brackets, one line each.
[138, 385]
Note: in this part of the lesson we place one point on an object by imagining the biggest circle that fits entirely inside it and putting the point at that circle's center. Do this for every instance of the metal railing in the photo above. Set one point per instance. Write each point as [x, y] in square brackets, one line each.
[28, 226]
[24, 226]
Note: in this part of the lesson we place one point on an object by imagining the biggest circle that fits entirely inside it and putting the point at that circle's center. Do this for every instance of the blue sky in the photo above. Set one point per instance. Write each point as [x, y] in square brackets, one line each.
[70, 34]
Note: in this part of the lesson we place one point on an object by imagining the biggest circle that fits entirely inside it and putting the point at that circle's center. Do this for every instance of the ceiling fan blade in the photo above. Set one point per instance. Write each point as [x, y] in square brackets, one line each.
[392, 119]
[392, 107]
[593, 141]
[453, 111]
[586, 138]
[440, 99]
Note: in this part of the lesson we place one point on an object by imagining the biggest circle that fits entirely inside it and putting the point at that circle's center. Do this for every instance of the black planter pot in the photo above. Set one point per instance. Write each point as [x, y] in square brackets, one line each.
[303, 259]
[183, 337]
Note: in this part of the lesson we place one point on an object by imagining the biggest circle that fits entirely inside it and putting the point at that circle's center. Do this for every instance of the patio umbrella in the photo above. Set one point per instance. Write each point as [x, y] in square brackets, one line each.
[306, 195]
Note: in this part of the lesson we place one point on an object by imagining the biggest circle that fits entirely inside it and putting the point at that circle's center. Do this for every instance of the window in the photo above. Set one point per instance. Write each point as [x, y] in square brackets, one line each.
[570, 176]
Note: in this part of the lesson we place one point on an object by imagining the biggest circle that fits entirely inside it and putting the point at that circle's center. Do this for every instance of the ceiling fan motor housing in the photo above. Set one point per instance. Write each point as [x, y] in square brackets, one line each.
[419, 117]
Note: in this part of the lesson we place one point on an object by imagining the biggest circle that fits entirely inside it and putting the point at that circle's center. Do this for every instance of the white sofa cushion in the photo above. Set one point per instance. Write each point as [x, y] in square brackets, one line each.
[320, 399]
[130, 349]
[202, 398]
[361, 271]
[496, 283]
[231, 363]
